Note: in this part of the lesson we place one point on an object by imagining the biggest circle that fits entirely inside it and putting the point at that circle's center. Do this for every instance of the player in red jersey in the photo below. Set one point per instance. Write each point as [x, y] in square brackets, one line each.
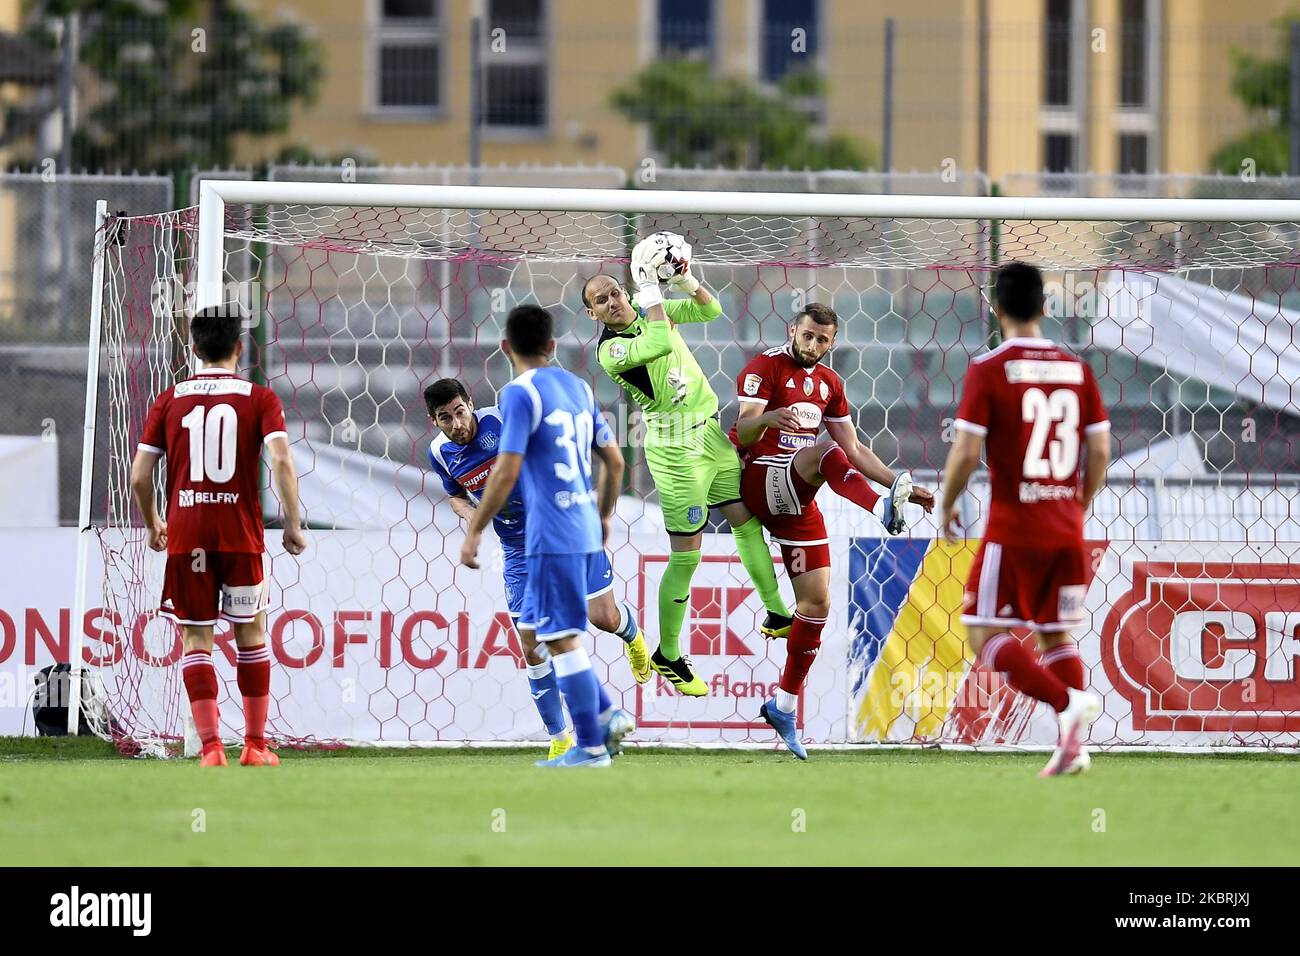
[1036, 407]
[212, 428]
[785, 396]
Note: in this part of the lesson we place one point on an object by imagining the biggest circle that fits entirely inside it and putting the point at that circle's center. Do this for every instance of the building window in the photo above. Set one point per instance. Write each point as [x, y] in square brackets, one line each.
[790, 37]
[408, 44]
[1056, 53]
[686, 28]
[1058, 153]
[1133, 153]
[1133, 53]
[515, 76]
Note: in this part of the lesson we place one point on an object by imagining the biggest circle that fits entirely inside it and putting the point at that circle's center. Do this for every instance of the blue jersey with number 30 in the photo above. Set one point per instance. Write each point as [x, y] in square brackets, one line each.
[550, 417]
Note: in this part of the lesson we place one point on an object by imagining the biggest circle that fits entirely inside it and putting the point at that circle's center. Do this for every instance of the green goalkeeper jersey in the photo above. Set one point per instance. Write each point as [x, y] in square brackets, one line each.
[656, 369]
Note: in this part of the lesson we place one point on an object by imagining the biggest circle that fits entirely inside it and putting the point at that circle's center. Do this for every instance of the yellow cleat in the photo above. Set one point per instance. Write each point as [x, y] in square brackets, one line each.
[638, 657]
[560, 746]
[679, 674]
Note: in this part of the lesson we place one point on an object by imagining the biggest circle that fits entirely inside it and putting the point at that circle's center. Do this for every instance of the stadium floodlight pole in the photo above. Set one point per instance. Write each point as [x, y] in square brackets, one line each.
[214, 194]
[87, 469]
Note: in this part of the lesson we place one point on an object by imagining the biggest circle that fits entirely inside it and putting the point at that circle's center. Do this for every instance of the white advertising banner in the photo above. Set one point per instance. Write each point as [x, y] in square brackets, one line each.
[374, 638]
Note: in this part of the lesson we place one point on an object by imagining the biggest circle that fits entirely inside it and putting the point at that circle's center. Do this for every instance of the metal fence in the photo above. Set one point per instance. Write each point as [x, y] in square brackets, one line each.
[46, 241]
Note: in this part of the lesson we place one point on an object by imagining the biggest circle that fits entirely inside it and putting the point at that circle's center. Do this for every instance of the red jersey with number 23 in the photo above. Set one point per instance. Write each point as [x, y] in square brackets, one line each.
[1034, 403]
[774, 379]
[211, 429]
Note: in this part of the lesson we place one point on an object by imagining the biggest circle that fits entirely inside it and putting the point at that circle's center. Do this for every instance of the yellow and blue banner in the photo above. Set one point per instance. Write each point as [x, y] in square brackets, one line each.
[908, 654]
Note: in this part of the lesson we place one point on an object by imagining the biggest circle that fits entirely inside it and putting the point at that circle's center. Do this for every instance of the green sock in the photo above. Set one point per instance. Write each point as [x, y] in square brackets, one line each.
[674, 595]
[758, 562]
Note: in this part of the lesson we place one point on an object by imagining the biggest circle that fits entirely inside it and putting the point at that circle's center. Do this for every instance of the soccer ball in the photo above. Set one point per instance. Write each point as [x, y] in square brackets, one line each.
[673, 255]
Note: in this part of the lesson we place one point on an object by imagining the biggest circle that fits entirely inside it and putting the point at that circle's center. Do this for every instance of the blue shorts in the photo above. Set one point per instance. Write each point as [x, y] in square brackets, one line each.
[557, 591]
[600, 577]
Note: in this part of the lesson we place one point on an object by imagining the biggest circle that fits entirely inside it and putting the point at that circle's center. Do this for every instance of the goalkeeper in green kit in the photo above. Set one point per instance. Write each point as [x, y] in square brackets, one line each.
[694, 465]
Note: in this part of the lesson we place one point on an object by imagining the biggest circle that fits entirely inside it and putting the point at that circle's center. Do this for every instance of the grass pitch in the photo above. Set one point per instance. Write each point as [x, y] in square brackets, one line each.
[75, 802]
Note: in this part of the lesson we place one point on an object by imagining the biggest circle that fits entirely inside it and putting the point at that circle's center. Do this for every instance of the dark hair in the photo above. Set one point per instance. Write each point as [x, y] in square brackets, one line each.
[443, 392]
[529, 329]
[214, 331]
[1020, 291]
[590, 279]
[821, 314]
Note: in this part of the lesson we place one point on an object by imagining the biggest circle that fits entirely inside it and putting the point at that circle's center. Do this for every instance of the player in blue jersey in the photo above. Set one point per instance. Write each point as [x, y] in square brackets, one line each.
[550, 427]
[462, 456]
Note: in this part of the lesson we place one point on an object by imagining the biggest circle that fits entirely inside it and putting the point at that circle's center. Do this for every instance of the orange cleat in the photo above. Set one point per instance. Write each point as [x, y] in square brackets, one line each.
[213, 757]
[254, 756]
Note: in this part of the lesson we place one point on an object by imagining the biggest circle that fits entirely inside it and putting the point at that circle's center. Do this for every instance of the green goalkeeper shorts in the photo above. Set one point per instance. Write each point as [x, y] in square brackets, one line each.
[694, 475]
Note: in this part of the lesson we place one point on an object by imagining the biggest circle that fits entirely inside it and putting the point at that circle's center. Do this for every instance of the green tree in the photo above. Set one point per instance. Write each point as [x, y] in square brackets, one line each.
[698, 117]
[174, 84]
[1263, 84]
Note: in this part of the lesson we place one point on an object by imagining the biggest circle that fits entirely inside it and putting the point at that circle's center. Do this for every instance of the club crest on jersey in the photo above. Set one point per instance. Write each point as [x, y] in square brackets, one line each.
[752, 383]
[825, 391]
[807, 386]
[694, 514]
[489, 442]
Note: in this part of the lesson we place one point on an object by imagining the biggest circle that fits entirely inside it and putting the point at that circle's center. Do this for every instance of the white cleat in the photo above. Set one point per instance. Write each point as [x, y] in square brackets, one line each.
[899, 494]
[1081, 764]
[1083, 709]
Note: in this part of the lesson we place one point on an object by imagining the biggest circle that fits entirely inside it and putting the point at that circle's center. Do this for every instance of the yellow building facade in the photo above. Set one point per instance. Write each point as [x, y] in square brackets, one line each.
[1007, 85]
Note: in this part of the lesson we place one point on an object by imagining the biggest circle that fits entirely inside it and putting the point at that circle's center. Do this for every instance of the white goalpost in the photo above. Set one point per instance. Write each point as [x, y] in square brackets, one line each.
[360, 295]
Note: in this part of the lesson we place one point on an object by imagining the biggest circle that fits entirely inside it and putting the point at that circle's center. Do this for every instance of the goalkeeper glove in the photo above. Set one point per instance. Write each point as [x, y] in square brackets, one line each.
[684, 281]
[647, 256]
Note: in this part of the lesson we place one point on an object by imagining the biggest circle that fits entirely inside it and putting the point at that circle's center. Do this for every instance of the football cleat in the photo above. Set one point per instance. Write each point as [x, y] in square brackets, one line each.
[1083, 709]
[619, 725]
[776, 625]
[638, 657]
[214, 756]
[899, 492]
[254, 756]
[784, 726]
[559, 746]
[679, 674]
[576, 757]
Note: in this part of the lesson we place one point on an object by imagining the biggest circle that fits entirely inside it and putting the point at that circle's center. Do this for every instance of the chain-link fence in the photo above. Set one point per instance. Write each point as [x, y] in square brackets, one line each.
[47, 240]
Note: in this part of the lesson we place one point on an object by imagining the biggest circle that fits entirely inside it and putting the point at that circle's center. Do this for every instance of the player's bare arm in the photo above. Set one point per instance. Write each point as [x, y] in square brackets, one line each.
[754, 419]
[142, 488]
[963, 459]
[505, 473]
[1094, 468]
[611, 476]
[868, 462]
[285, 478]
[463, 507]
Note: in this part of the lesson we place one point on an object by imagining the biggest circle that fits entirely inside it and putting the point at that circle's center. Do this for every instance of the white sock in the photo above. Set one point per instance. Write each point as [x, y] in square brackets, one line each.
[538, 671]
[786, 702]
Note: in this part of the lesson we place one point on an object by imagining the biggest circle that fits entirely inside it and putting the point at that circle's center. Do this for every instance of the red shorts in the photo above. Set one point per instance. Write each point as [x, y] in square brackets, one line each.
[219, 584]
[1040, 588]
[784, 504]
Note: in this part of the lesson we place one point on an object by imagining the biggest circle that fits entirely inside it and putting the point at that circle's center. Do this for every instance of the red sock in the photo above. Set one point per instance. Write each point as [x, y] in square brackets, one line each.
[1064, 661]
[845, 480]
[201, 688]
[1003, 653]
[254, 675]
[800, 651]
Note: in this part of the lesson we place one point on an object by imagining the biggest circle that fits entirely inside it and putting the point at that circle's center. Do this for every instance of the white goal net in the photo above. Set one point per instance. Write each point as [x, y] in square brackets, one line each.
[362, 295]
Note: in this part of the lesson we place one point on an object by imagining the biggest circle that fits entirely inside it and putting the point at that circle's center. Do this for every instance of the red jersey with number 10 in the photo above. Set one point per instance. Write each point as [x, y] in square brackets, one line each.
[775, 380]
[1034, 403]
[212, 429]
